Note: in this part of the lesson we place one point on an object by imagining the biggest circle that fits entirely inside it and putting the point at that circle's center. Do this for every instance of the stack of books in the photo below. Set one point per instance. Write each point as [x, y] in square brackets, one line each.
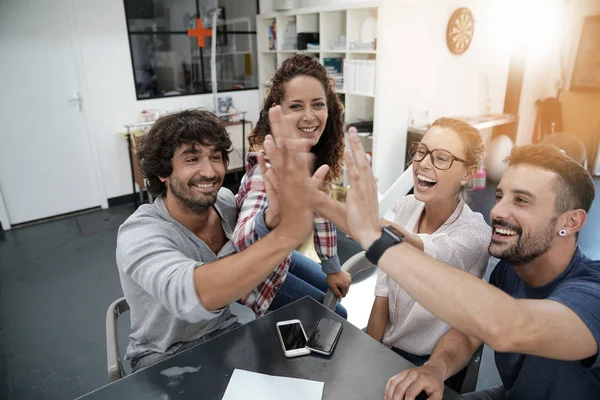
[335, 71]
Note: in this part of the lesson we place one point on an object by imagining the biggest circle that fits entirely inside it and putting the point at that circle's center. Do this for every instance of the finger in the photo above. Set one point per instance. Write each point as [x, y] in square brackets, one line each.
[272, 151]
[269, 138]
[358, 152]
[354, 177]
[345, 290]
[262, 162]
[301, 145]
[336, 291]
[279, 125]
[319, 175]
[416, 388]
[392, 381]
[283, 131]
[342, 289]
[413, 391]
[398, 385]
[350, 167]
[267, 174]
[271, 182]
[402, 387]
[295, 155]
[437, 394]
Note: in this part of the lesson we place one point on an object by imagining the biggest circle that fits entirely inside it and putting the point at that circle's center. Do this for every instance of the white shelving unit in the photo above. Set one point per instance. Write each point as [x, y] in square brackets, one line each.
[333, 23]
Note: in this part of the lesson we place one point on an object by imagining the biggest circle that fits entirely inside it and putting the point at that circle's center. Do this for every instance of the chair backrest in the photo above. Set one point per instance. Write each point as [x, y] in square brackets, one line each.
[399, 189]
[358, 262]
[469, 383]
[113, 359]
[353, 266]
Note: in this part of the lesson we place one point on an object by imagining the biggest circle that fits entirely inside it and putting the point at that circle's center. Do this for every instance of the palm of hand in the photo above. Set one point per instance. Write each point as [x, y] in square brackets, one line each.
[287, 183]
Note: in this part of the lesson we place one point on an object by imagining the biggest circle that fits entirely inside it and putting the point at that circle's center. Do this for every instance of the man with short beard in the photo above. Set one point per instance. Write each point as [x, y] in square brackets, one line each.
[541, 310]
[176, 262]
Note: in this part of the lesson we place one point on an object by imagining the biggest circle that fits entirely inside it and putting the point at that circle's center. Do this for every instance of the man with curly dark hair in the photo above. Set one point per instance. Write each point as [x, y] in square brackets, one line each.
[176, 261]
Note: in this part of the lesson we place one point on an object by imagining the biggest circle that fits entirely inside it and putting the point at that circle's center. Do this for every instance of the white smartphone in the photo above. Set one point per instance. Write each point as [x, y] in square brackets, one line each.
[292, 337]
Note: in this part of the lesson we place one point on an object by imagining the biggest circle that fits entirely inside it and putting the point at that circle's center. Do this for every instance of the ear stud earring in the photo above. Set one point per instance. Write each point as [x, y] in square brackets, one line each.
[562, 232]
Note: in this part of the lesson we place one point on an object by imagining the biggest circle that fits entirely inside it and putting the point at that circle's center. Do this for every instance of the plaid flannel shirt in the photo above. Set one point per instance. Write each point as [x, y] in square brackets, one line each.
[252, 202]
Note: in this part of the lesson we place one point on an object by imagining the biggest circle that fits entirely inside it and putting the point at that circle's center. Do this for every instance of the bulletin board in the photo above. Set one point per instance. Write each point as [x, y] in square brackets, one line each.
[586, 74]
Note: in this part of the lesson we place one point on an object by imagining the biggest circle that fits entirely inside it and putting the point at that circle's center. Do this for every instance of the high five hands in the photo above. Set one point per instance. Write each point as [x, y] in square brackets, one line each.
[287, 179]
[289, 175]
[306, 188]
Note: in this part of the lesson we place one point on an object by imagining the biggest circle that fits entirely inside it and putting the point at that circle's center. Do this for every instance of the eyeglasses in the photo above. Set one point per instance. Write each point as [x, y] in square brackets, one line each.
[441, 159]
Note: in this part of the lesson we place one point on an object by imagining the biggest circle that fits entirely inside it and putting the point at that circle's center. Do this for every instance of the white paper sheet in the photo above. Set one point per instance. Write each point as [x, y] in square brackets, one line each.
[253, 386]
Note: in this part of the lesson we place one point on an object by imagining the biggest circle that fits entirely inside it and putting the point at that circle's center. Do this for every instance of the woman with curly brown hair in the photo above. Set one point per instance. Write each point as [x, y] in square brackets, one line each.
[310, 104]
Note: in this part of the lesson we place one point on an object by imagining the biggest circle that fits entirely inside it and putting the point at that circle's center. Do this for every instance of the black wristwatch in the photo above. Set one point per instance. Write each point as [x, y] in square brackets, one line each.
[389, 237]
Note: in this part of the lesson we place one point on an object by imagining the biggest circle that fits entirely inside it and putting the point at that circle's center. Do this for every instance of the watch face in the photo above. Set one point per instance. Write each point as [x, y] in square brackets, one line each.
[395, 232]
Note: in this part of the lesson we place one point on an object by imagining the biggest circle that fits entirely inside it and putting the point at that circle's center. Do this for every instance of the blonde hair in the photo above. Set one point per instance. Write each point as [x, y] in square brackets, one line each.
[474, 147]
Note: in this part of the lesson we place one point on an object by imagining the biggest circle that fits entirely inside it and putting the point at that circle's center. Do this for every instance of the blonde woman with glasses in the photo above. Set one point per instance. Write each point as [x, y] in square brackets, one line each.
[437, 221]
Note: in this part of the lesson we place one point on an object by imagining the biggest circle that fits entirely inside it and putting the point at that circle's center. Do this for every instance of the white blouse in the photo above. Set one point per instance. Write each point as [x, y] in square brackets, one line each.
[462, 242]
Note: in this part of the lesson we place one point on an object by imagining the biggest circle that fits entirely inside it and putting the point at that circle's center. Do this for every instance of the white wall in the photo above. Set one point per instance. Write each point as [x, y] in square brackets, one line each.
[538, 30]
[416, 71]
[551, 44]
[109, 97]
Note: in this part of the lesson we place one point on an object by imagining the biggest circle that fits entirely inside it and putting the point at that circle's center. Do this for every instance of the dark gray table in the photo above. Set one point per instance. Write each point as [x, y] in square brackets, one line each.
[358, 369]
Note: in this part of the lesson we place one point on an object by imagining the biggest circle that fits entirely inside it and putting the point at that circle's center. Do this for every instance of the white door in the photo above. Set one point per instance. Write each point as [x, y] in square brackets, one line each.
[46, 166]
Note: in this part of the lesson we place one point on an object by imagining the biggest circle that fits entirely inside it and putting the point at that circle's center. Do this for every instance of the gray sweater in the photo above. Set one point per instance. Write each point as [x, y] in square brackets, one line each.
[156, 257]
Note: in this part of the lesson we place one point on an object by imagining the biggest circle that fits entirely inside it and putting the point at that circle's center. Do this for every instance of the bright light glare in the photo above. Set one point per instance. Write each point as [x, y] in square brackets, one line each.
[533, 26]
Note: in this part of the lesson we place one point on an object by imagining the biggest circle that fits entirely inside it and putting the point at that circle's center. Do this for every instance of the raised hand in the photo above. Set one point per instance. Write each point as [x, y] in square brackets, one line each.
[362, 216]
[408, 384]
[272, 188]
[290, 179]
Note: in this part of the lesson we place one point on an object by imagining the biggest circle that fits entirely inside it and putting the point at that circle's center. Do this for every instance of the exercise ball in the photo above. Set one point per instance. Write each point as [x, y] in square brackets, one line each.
[496, 152]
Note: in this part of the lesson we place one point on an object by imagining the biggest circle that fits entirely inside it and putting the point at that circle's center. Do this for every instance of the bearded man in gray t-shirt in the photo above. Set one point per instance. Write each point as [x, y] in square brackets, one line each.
[177, 265]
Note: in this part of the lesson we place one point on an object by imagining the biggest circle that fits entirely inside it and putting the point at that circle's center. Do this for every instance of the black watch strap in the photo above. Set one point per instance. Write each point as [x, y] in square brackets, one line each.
[389, 237]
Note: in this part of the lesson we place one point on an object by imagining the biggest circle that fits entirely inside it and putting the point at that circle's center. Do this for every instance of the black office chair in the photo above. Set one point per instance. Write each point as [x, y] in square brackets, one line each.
[469, 383]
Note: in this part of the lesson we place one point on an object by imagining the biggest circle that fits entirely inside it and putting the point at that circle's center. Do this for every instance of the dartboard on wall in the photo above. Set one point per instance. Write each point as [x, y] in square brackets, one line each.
[459, 33]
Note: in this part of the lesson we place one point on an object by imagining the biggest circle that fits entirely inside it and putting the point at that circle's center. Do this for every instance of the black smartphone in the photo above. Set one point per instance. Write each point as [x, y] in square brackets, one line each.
[325, 336]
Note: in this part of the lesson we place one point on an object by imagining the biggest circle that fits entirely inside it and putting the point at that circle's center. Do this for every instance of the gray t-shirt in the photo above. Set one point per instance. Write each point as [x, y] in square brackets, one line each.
[156, 257]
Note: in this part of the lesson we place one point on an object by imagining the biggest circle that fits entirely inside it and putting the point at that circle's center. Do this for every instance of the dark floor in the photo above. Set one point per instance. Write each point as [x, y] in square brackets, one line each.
[58, 278]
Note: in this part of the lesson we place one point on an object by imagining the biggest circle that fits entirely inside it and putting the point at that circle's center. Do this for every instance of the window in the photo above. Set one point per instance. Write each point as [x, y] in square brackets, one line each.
[167, 62]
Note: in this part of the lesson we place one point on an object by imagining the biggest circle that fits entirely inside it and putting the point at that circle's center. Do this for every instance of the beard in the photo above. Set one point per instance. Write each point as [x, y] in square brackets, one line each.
[195, 203]
[528, 247]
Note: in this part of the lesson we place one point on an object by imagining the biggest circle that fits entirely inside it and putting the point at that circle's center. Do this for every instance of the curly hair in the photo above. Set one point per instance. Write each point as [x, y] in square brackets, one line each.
[189, 127]
[330, 148]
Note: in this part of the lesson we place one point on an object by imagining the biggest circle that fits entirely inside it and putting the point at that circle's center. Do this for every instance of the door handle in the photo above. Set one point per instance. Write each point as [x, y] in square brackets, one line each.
[75, 100]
